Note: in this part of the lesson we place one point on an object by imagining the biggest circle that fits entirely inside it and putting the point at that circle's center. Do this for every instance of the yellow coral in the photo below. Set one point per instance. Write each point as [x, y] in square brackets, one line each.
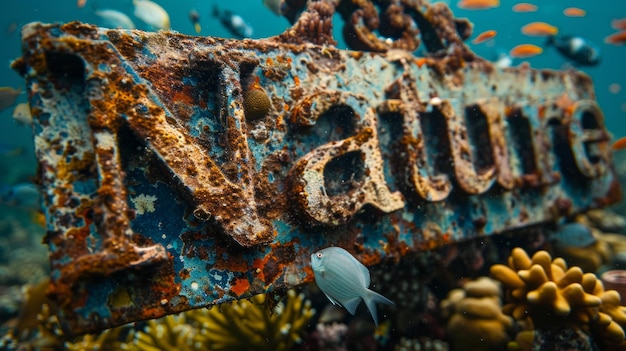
[551, 294]
[240, 325]
[168, 333]
[475, 320]
[110, 339]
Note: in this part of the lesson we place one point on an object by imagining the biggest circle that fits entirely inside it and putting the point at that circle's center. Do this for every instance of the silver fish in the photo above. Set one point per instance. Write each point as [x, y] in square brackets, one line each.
[21, 114]
[344, 280]
[26, 196]
[115, 19]
[8, 96]
[152, 14]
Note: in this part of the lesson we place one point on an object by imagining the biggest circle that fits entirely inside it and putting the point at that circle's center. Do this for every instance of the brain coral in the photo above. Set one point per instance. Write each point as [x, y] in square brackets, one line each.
[552, 295]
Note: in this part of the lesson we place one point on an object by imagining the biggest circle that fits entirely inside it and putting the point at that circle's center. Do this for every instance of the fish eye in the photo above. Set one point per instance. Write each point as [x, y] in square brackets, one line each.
[319, 255]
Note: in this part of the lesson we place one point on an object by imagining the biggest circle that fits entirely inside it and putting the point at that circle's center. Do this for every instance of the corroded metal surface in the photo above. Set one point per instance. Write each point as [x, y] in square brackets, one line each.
[180, 171]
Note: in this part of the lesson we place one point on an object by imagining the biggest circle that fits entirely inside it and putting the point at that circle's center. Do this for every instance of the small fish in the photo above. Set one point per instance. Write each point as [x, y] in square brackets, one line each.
[21, 114]
[573, 235]
[574, 12]
[619, 23]
[503, 60]
[579, 50]
[539, 29]
[233, 22]
[22, 195]
[194, 17]
[484, 36]
[618, 38]
[524, 7]
[81, 3]
[619, 144]
[10, 151]
[8, 96]
[275, 6]
[525, 50]
[478, 4]
[615, 88]
[115, 19]
[152, 14]
[11, 28]
[344, 280]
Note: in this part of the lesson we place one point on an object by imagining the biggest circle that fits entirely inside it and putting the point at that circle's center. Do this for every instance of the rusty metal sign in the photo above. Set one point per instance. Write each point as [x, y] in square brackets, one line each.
[180, 172]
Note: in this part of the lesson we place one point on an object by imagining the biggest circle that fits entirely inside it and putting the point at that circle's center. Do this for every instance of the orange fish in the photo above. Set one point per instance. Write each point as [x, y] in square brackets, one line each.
[539, 29]
[615, 88]
[81, 3]
[619, 23]
[478, 4]
[524, 7]
[484, 36]
[574, 12]
[525, 50]
[618, 38]
[619, 144]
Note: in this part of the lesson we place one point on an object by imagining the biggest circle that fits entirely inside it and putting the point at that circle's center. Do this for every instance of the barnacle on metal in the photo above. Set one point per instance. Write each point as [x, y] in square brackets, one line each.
[380, 26]
[552, 295]
[314, 26]
[256, 103]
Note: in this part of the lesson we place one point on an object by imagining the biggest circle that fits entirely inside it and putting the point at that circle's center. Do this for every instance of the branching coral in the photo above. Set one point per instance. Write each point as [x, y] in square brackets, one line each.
[553, 296]
[169, 333]
[241, 325]
[110, 339]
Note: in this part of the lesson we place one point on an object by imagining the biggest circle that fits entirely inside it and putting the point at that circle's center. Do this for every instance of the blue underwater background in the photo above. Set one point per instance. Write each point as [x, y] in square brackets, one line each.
[20, 167]
[595, 26]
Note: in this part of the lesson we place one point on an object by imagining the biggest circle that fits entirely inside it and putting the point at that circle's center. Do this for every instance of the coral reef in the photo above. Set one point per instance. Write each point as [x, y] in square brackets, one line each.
[331, 337]
[589, 258]
[598, 253]
[555, 297]
[240, 325]
[606, 221]
[475, 319]
[23, 260]
[421, 345]
[615, 280]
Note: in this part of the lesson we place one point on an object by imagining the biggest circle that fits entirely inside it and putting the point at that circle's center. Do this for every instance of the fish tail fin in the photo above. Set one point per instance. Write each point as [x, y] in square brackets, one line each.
[550, 40]
[371, 298]
[216, 10]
